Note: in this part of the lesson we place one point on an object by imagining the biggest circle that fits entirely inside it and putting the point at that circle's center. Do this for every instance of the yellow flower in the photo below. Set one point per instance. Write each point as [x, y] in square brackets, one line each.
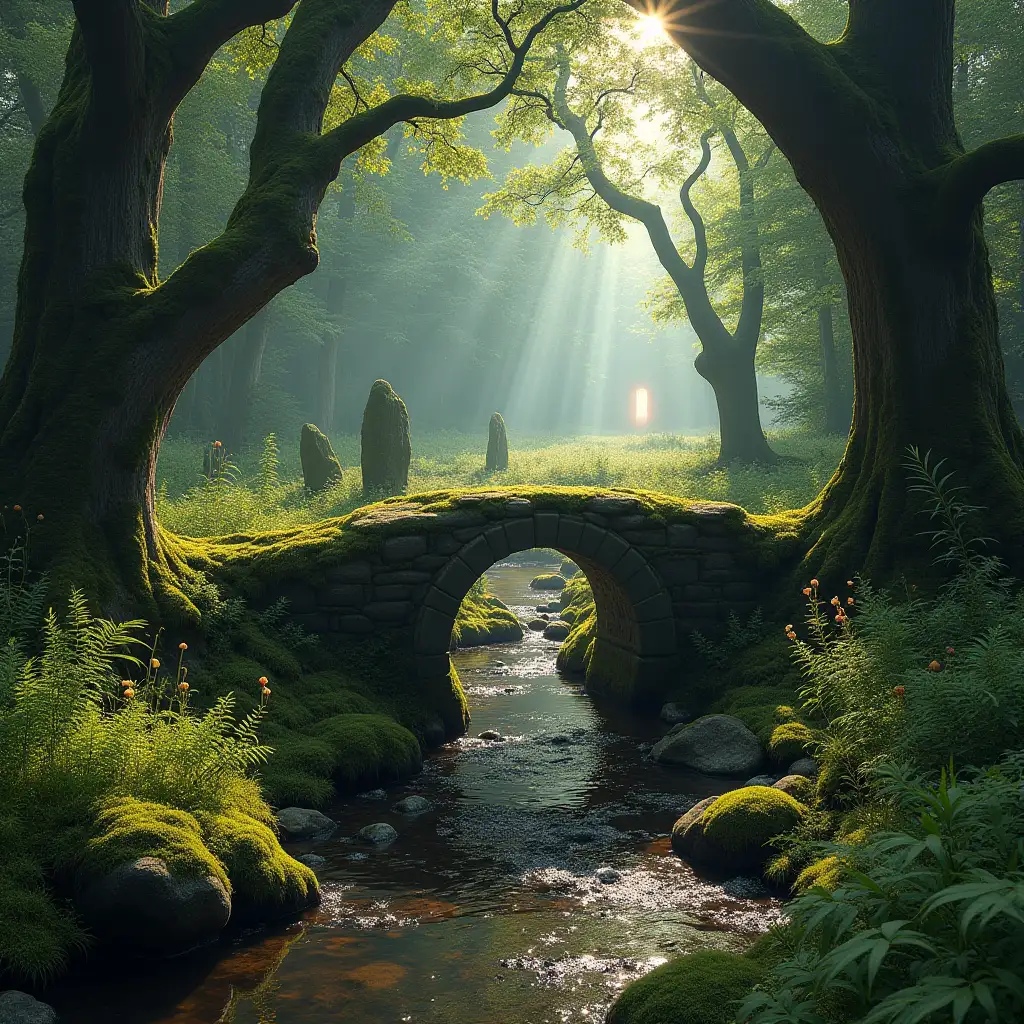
[155, 663]
[934, 666]
[789, 628]
[129, 693]
[791, 635]
[126, 682]
[182, 647]
[807, 591]
[265, 691]
[849, 583]
[850, 601]
[835, 601]
[17, 508]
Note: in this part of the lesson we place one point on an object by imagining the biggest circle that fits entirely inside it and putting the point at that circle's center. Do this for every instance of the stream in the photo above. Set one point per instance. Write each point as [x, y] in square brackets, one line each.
[492, 906]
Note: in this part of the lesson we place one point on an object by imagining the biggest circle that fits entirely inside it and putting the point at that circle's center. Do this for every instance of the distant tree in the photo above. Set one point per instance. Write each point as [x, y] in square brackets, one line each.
[102, 346]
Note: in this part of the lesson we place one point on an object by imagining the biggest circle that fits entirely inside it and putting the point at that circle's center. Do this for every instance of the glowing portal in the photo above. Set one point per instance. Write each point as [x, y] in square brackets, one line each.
[641, 409]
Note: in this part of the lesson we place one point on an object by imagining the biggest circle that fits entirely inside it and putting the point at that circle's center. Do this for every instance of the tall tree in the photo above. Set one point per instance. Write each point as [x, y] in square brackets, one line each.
[867, 123]
[596, 88]
[102, 346]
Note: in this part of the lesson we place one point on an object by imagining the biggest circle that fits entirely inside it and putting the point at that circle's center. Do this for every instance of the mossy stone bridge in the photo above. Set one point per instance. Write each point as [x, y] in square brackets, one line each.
[660, 568]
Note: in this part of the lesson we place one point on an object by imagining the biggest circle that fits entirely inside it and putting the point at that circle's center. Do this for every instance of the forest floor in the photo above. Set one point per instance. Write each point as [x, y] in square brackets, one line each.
[264, 489]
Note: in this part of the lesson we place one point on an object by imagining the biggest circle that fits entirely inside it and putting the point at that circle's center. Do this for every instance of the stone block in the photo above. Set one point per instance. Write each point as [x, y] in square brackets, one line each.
[657, 607]
[716, 544]
[569, 532]
[430, 563]
[456, 578]
[613, 505]
[477, 555]
[461, 517]
[631, 522]
[519, 533]
[404, 549]
[518, 507]
[442, 602]
[497, 542]
[657, 638]
[739, 592]
[341, 595]
[301, 597]
[611, 550]
[591, 539]
[392, 592]
[654, 537]
[717, 560]
[433, 632]
[722, 576]
[464, 534]
[630, 563]
[407, 576]
[701, 592]
[682, 535]
[433, 666]
[314, 622]
[545, 529]
[677, 571]
[390, 611]
[444, 544]
[697, 610]
[596, 518]
[349, 572]
[359, 624]
[642, 585]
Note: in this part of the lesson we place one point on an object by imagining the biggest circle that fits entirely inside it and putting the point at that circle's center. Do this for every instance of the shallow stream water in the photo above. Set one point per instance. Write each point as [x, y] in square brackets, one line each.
[490, 907]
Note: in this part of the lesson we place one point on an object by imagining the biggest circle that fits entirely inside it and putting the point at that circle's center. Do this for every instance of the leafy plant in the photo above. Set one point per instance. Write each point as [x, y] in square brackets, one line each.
[928, 924]
[738, 636]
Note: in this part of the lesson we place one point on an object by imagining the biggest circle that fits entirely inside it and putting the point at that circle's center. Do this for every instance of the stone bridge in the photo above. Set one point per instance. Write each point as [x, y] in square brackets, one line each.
[660, 568]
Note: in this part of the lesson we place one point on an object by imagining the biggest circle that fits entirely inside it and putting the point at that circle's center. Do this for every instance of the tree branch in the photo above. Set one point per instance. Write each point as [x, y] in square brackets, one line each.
[199, 30]
[32, 101]
[968, 179]
[700, 234]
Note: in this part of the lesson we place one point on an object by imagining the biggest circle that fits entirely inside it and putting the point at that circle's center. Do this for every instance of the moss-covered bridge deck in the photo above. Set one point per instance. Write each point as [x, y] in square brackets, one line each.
[660, 568]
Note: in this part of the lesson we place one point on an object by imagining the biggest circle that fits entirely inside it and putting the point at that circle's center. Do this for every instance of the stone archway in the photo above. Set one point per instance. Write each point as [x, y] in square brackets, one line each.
[636, 635]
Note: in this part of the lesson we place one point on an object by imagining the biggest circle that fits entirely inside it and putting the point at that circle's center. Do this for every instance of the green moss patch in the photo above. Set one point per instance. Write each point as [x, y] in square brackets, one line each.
[702, 988]
[370, 749]
[484, 619]
[789, 742]
[750, 817]
[826, 873]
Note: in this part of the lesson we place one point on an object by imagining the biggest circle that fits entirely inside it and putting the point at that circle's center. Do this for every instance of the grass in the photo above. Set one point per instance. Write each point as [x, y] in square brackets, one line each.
[676, 465]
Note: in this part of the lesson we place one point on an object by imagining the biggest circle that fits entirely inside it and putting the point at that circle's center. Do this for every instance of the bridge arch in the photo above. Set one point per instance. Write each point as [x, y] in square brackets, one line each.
[636, 634]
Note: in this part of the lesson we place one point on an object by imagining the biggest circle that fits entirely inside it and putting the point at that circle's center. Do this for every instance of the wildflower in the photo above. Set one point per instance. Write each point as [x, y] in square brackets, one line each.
[155, 663]
[850, 601]
[217, 444]
[17, 508]
[129, 693]
[183, 687]
[835, 602]
[791, 635]
[789, 628]
[126, 682]
[949, 650]
[182, 647]
[265, 691]
[840, 618]
[807, 591]
[815, 583]
[934, 666]
[263, 680]
[39, 518]
[899, 690]
[849, 583]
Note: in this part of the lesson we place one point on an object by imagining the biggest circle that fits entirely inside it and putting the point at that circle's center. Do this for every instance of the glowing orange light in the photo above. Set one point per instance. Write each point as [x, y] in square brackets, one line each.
[641, 407]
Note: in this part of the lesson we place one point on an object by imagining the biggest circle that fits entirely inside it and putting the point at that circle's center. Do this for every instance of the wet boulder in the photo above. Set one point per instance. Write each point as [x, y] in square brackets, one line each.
[548, 581]
[805, 766]
[557, 630]
[674, 714]
[304, 823]
[761, 780]
[491, 734]
[21, 1008]
[378, 833]
[151, 908]
[312, 860]
[733, 832]
[538, 625]
[714, 745]
[414, 804]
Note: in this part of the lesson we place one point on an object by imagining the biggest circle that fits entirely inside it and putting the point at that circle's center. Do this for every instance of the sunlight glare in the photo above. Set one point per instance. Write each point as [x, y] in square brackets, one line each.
[641, 411]
[651, 29]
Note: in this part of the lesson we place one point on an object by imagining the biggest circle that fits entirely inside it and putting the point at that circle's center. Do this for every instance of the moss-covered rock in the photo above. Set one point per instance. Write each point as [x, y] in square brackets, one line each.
[320, 466]
[799, 787]
[369, 749]
[732, 833]
[485, 619]
[571, 655]
[386, 443]
[548, 581]
[757, 707]
[713, 744]
[701, 988]
[789, 742]
[497, 445]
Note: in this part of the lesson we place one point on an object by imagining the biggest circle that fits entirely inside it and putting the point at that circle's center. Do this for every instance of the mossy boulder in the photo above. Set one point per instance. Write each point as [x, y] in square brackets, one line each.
[147, 881]
[497, 445]
[701, 988]
[571, 653]
[713, 744]
[732, 832]
[799, 787]
[548, 581]
[485, 619]
[557, 630]
[320, 466]
[369, 749]
[385, 442]
[789, 742]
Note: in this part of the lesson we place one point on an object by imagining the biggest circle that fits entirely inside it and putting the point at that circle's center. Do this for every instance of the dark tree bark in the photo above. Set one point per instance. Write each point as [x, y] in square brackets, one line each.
[867, 124]
[246, 365]
[102, 348]
[726, 359]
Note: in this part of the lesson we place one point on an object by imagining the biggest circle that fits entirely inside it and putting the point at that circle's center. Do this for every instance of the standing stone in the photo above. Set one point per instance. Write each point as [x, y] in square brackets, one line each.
[497, 445]
[320, 466]
[386, 442]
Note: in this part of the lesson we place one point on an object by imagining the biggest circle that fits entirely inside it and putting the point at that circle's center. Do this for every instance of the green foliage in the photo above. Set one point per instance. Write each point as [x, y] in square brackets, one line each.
[923, 923]
[755, 706]
[739, 635]
[702, 988]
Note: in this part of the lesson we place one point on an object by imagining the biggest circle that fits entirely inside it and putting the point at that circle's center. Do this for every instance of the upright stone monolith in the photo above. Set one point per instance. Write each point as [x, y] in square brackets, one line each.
[386, 442]
[497, 445]
[320, 466]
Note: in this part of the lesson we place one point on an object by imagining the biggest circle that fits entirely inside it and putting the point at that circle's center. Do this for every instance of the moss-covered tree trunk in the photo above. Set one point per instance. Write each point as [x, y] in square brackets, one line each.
[867, 124]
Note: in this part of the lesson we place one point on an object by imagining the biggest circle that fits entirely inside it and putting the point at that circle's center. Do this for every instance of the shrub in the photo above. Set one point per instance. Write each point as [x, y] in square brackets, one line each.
[927, 922]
